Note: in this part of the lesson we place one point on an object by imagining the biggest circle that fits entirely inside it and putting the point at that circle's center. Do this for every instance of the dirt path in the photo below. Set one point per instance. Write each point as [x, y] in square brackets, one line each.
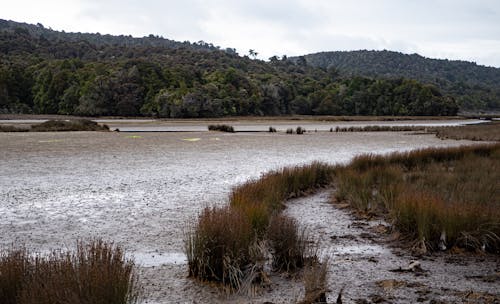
[363, 262]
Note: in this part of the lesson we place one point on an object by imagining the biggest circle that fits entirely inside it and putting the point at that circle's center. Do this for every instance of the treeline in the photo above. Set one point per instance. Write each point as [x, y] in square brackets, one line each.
[43, 72]
[475, 87]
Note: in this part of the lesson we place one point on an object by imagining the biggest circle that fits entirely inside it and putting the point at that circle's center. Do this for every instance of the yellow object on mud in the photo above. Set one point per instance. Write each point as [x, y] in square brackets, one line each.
[191, 139]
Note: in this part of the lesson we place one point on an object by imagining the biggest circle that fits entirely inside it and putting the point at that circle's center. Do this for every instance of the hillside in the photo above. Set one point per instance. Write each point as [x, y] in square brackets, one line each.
[475, 87]
[49, 72]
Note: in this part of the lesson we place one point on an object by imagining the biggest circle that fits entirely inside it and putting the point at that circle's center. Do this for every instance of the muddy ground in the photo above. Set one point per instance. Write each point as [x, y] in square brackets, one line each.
[142, 189]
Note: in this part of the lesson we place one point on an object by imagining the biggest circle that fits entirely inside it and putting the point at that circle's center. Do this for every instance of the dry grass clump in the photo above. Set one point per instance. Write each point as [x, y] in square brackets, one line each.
[437, 197]
[221, 244]
[290, 245]
[14, 266]
[315, 282]
[221, 128]
[10, 128]
[486, 131]
[273, 188]
[96, 272]
[218, 247]
[68, 125]
[299, 130]
[381, 129]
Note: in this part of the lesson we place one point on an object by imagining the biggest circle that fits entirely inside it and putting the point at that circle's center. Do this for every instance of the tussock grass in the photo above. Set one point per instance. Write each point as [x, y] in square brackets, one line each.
[96, 272]
[68, 125]
[221, 128]
[289, 243]
[10, 128]
[315, 282]
[221, 245]
[381, 129]
[437, 197]
[14, 266]
[481, 132]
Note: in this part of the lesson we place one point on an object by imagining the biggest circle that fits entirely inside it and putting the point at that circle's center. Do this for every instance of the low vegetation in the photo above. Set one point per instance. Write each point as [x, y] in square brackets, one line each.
[221, 128]
[380, 129]
[69, 125]
[58, 126]
[10, 128]
[436, 198]
[223, 244]
[481, 132]
[96, 272]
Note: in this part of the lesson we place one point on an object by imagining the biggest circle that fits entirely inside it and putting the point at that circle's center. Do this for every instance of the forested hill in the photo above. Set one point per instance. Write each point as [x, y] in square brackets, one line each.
[476, 87]
[49, 72]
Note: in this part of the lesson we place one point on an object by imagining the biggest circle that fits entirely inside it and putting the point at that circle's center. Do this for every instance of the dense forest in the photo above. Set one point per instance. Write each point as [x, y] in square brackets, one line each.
[49, 72]
[475, 87]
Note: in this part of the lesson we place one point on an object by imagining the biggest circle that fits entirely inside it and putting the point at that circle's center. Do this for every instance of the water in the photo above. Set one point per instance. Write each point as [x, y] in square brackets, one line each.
[142, 189]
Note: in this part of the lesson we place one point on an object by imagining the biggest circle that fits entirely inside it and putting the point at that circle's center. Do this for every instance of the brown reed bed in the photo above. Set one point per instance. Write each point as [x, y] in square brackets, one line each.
[58, 126]
[68, 125]
[10, 128]
[489, 131]
[221, 128]
[222, 245]
[436, 198]
[382, 129]
[96, 272]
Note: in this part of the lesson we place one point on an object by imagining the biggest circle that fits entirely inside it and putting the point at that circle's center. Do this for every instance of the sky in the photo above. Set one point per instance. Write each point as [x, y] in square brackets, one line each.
[452, 29]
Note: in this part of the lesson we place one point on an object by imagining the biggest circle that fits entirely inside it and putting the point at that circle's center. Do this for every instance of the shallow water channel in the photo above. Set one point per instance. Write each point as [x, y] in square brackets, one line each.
[141, 189]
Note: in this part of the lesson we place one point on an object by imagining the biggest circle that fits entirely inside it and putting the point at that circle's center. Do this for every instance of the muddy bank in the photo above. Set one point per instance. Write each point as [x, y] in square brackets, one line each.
[141, 189]
[372, 269]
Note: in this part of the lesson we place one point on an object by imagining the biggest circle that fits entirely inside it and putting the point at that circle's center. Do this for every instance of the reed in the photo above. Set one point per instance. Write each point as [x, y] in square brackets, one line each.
[221, 128]
[376, 128]
[220, 245]
[68, 125]
[438, 197]
[10, 128]
[481, 132]
[289, 243]
[97, 272]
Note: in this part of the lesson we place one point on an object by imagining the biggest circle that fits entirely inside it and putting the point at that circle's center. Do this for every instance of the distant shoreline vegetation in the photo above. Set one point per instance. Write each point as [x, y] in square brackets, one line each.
[58, 126]
[49, 72]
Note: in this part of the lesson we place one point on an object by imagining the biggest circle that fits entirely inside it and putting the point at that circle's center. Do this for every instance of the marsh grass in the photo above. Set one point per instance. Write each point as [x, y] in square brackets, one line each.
[221, 244]
[68, 125]
[290, 244]
[218, 247]
[300, 130]
[315, 281]
[376, 128]
[221, 128]
[447, 197]
[14, 266]
[10, 128]
[97, 272]
[480, 132]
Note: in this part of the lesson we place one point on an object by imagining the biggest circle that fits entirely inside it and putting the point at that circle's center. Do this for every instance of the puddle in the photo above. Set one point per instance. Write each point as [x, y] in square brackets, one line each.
[153, 259]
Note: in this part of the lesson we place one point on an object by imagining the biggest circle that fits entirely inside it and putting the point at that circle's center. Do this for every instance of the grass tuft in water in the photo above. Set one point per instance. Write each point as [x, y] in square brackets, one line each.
[221, 128]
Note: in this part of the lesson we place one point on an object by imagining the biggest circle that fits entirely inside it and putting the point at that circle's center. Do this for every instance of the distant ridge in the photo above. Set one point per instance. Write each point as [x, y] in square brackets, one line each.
[43, 71]
[40, 31]
[475, 86]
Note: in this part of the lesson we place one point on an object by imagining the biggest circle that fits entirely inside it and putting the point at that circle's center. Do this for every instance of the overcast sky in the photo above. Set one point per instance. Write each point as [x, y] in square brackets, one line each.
[453, 29]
